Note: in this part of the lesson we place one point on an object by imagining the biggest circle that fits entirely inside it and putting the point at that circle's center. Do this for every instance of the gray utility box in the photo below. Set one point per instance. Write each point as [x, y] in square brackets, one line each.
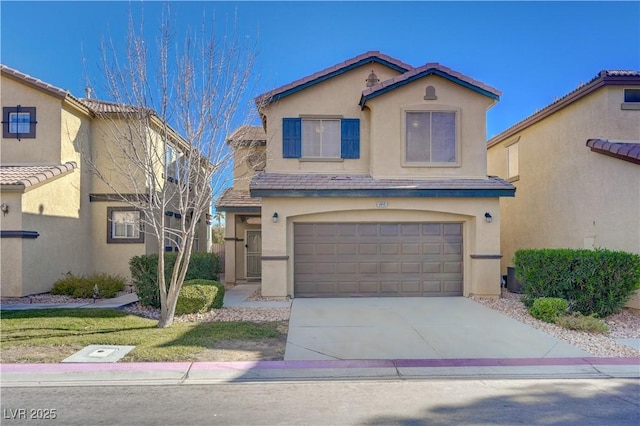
[513, 285]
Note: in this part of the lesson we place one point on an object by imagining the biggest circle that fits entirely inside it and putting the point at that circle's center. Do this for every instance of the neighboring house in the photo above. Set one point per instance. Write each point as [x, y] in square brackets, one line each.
[375, 184]
[576, 164]
[56, 216]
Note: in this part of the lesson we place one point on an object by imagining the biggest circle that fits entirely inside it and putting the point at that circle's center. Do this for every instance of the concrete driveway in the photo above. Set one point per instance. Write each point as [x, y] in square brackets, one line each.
[413, 328]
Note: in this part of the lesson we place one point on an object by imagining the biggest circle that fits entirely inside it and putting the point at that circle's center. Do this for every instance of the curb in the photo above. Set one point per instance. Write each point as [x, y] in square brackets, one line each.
[184, 373]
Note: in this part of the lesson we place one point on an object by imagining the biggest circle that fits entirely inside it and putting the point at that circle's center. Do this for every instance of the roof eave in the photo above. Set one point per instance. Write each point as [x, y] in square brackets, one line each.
[432, 71]
[390, 192]
[600, 81]
[274, 95]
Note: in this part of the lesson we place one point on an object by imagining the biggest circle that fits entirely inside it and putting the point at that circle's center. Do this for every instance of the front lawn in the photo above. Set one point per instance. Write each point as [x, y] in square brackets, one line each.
[51, 335]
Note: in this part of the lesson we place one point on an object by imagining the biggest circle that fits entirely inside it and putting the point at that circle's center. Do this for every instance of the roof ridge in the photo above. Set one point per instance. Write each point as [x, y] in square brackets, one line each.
[327, 72]
[582, 90]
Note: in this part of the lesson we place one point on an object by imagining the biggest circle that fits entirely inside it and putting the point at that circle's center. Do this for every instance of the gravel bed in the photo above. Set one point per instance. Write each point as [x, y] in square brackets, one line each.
[221, 315]
[624, 325]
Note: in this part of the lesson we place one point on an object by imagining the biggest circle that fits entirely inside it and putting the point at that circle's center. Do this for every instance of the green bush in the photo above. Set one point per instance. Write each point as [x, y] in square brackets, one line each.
[596, 282]
[577, 321]
[144, 273]
[82, 287]
[195, 299]
[219, 299]
[548, 309]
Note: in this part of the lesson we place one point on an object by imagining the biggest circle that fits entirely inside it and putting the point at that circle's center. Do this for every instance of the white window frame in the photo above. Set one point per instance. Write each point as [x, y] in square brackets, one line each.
[431, 109]
[132, 229]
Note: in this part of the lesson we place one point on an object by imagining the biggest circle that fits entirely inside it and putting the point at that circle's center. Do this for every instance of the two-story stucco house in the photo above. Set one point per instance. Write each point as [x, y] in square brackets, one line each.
[576, 164]
[56, 215]
[375, 184]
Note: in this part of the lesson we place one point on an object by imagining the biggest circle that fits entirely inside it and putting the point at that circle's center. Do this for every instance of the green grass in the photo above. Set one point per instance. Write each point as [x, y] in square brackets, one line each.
[60, 332]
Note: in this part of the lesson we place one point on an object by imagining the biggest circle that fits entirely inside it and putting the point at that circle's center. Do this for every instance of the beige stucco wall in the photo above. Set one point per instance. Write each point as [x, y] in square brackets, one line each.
[481, 276]
[64, 233]
[568, 196]
[45, 147]
[387, 118]
[337, 96]
[11, 248]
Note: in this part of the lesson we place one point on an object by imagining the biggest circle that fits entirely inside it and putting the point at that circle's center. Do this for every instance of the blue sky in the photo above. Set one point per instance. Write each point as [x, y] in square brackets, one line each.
[532, 51]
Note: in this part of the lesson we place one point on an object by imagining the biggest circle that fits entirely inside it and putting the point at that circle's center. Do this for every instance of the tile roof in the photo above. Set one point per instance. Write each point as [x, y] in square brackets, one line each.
[237, 199]
[56, 91]
[367, 57]
[627, 151]
[603, 78]
[264, 181]
[248, 135]
[27, 176]
[429, 69]
[105, 107]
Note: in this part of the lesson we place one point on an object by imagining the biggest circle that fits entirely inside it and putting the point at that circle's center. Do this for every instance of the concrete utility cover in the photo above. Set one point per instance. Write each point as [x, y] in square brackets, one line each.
[100, 353]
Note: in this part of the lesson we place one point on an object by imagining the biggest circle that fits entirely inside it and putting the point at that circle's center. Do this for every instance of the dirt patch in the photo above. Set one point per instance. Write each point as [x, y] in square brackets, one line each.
[39, 354]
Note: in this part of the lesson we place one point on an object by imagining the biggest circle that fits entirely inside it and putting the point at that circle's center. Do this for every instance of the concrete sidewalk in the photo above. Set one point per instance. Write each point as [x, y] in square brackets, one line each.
[187, 373]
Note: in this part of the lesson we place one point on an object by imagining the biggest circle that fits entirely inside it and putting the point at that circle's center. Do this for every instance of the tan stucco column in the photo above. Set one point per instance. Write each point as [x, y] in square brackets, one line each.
[230, 249]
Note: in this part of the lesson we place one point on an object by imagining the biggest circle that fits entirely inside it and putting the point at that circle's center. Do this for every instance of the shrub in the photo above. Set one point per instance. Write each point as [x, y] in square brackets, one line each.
[83, 287]
[592, 281]
[144, 273]
[195, 299]
[577, 321]
[548, 309]
[218, 301]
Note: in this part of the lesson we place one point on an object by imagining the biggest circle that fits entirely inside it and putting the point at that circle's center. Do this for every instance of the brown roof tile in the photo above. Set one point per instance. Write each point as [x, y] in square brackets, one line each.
[282, 181]
[604, 78]
[627, 151]
[248, 134]
[237, 199]
[56, 91]
[32, 175]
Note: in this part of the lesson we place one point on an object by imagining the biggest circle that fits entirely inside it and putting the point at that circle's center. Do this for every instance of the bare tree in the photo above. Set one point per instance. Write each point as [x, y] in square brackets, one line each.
[171, 107]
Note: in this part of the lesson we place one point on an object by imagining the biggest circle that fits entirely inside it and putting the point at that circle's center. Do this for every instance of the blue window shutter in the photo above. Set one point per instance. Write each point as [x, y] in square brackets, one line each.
[350, 137]
[291, 137]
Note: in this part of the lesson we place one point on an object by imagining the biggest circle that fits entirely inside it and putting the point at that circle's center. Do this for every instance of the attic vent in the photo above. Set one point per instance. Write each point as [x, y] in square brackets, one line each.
[430, 94]
[372, 80]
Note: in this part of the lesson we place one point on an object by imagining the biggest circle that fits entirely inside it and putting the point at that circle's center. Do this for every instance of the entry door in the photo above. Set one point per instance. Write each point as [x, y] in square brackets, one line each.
[254, 253]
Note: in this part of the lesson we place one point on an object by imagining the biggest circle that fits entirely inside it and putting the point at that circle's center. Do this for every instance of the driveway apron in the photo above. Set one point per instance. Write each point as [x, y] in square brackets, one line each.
[412, 328]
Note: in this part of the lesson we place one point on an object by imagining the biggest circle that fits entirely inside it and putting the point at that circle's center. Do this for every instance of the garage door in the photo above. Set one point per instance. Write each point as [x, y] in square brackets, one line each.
[377, 259]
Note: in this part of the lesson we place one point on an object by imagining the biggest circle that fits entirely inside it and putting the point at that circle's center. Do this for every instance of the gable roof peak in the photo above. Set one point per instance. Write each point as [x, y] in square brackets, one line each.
[330, 72]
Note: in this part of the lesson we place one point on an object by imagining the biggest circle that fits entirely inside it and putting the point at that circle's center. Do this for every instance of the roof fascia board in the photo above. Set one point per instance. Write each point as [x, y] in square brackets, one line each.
[563, 102]
[231, 209]
[430, 71]
[269, 99]
[402, 193]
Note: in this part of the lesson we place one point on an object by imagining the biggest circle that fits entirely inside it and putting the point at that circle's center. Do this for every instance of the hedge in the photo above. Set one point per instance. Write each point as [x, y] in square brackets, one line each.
[596, 282]
[144, 273]
[219, 297]
[194, 299]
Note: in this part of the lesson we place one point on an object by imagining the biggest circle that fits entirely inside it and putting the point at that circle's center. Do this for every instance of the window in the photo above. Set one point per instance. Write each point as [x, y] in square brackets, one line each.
[19, 122]
[513, 172]
[124, 225]
[632, 95]
[322, 138]
[631, 99]
[430, 137]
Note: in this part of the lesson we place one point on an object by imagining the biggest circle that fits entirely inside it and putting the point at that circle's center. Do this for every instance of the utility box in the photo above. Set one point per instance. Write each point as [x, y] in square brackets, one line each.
[513, 285]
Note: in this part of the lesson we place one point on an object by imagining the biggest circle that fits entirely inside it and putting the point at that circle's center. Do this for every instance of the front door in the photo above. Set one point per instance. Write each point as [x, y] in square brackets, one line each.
[254, 253]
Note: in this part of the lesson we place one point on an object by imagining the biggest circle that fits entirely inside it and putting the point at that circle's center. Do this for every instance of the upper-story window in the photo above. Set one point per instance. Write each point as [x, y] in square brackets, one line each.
[631, 99]
[19, 122]
[171, 163]
[513, 160]
[430, 137]
[321, 138]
